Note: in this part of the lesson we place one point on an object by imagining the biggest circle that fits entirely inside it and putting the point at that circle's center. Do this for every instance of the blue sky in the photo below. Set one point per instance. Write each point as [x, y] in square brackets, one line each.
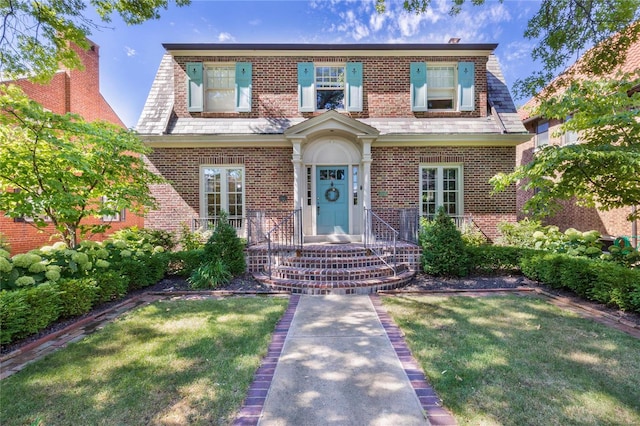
[130, 55]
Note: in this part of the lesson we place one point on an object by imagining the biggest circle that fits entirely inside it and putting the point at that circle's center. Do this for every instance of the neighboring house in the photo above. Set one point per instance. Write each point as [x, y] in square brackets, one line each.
[78, 92]
[611, 223]
[340, 136]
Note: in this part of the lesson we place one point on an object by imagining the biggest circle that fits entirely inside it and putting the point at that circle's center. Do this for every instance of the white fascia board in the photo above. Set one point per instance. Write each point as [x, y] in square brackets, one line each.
[472, 139]
[331, 53]
[222, 141]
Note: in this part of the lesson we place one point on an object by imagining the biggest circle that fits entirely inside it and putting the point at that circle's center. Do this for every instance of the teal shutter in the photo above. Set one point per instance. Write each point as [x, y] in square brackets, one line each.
[243, 86]
[306, 92]
[466, 86]
[195, 91]
[353, 88]
[418, 74]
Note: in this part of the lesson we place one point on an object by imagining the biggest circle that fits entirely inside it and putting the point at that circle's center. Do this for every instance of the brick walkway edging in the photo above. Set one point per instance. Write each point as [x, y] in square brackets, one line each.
[251, 409]
[431, 403]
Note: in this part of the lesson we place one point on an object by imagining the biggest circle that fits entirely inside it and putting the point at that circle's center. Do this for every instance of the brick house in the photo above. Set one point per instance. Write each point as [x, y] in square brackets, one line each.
[78, 92]
[611, 223]
[342, 135]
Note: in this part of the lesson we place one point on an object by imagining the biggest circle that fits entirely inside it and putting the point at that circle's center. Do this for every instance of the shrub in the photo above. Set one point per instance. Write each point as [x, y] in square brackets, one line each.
[192, 240]
[13, 314]
[135, 273]
[77, 296]
[111, 286]
[492, 259]
[183, 263]
[45, 306]
[518, 234]
[472, 236]
[225, 245]
[616, 285]
[443, 251]
[210, 275]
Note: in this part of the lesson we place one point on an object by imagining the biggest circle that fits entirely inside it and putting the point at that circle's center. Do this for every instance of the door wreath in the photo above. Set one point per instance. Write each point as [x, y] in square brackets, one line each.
[332, 194]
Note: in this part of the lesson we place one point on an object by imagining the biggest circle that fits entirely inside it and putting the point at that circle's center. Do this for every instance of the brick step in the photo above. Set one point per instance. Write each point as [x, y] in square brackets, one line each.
[365, 286]
[335, 262]
[336, 274]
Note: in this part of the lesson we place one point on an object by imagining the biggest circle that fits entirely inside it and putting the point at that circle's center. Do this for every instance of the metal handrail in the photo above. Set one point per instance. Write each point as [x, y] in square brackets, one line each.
[260, 222]
[285, 236]
[380, 237]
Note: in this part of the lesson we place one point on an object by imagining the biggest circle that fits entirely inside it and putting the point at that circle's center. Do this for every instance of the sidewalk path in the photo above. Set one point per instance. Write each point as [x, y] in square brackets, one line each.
[339, 366]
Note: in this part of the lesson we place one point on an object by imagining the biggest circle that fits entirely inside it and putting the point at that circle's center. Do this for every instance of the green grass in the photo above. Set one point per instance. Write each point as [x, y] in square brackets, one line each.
[172, 362]
[521, 361]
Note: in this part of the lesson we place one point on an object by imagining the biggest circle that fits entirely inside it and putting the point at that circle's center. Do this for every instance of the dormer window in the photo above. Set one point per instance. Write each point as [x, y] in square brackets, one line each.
[219, 87]
[329, 87]
[324, 87]
[442, 86]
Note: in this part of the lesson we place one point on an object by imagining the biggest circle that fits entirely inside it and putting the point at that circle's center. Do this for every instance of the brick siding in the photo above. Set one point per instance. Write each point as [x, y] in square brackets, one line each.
[386, 85]
[78, 92]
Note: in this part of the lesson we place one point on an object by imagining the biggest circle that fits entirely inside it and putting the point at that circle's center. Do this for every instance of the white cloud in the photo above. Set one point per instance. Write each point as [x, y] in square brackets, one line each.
[224, 37]
[130, 51]
[255, 22]
[353, 25]
[518, 51]
[376, 21]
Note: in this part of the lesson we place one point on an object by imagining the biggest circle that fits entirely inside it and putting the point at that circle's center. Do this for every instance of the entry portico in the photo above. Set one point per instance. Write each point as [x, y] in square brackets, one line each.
[331, 172]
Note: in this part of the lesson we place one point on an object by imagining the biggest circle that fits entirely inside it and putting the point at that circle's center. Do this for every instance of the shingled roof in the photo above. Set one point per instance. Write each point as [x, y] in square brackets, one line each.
[157, 116]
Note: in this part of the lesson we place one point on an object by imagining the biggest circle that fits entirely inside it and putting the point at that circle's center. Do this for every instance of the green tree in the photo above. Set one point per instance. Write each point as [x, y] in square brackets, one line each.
[563, 30]
[603, 169]
[35, 36]
[61, 169]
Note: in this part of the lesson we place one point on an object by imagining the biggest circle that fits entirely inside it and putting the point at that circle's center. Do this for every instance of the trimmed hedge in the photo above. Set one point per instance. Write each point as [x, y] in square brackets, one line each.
[593, 279]
[77, 296]
[26, 311]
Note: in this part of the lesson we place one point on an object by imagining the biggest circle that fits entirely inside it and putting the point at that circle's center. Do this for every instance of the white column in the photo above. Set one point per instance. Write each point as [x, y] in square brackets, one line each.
[366, 173]
[298, 175]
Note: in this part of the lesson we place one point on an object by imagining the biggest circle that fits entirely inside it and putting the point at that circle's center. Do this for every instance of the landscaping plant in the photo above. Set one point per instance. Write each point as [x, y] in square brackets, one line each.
[443, 250]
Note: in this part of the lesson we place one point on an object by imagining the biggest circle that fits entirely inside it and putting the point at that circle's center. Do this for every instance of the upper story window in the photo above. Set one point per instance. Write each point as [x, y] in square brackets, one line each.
[542, 134]
[330, 86]
[442, 86]
[219, 87]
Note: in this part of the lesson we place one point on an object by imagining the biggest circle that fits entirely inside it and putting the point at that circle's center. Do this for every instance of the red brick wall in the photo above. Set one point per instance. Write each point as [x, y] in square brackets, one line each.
[268, 175]
[75, 91]
[612, 223]
[395, 171]
[386, 85]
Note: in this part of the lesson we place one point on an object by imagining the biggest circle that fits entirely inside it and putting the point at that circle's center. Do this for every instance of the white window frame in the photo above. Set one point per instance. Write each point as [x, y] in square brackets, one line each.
[570, 137]
[540, 145]
[431, 91]
[231, 90]
[343, 88]
[235, 220]
[118, 217]
[439, 189]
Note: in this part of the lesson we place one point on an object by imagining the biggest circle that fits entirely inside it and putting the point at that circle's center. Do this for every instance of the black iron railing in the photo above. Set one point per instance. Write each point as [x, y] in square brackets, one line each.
[260, 222]
[381, 238]
[283, 239]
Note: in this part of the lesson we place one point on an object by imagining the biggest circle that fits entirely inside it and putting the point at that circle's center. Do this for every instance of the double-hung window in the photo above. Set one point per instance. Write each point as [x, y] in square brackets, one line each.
[442, 86]
[441, 185]
[329, 87]
[542, 134]
[119, 216]
[570, 136]
[324, 87]
[222, 190]
[219, 87]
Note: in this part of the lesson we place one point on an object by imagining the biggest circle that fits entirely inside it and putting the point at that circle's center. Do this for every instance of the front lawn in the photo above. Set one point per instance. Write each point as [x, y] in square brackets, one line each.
[519, 360]
[172, 362]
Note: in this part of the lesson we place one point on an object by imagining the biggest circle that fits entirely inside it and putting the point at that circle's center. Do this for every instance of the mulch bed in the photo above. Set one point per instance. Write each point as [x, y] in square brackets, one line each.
[247, 284]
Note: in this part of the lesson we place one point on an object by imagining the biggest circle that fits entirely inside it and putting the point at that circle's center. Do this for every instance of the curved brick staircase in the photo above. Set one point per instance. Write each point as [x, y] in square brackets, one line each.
[336, 269]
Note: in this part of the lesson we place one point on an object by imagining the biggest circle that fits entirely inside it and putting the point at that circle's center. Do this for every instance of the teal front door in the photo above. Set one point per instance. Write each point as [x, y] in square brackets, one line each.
[332, 200]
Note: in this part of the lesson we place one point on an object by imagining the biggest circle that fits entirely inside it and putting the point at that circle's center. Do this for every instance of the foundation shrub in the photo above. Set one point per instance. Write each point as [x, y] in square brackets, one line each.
[183, 263]
[77, 296]
[577, 274]
[13, 314]
[225, 245]
[192, 240]
[111, 286]
[616, 285]
[489, 259]
[145, 238]
[443, 251]
[26, 311]
[543, 267]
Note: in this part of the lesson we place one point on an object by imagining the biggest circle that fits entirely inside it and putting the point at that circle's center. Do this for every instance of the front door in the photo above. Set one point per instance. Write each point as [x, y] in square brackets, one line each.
[332, 209]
